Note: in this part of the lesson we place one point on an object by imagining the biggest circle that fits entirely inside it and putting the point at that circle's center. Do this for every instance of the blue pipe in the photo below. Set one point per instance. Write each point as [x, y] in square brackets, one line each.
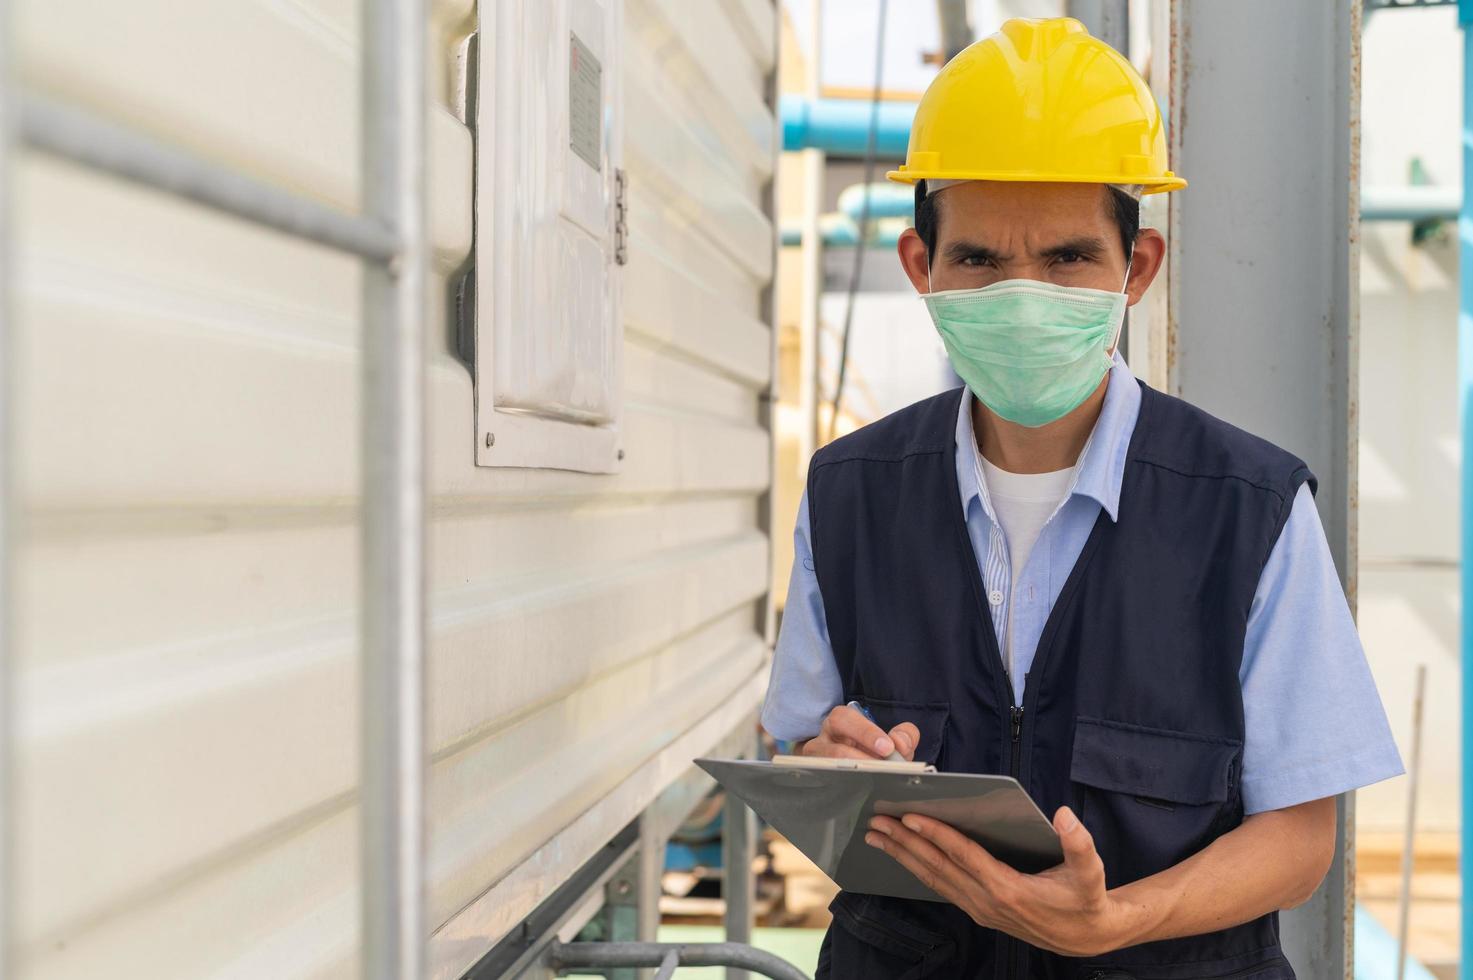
[1375, 952]
[841, 126]
[1414, 203]
[839, 231]
[886, 200]
[1465, 388]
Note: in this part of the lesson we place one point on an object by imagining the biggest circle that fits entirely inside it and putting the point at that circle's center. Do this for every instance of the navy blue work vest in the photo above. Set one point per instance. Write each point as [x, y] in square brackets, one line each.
[1132, 712]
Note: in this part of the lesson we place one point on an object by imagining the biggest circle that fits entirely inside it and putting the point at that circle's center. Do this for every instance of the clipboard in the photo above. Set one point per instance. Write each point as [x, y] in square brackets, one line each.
[824, 809]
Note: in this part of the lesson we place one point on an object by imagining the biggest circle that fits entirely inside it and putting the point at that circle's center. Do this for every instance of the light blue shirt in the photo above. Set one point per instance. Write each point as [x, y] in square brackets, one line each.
[1314, 723]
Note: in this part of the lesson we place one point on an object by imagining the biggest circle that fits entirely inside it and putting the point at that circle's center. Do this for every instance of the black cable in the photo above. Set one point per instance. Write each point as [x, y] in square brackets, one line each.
[862, 233]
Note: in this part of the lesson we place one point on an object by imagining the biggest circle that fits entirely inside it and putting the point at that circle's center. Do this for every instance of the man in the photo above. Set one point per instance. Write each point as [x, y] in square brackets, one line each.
[1060, 574]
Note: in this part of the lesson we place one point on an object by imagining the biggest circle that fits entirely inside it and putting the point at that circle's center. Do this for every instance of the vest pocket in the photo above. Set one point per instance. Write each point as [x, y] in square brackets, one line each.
[1151, 797]
[929, 717]
[872, 937]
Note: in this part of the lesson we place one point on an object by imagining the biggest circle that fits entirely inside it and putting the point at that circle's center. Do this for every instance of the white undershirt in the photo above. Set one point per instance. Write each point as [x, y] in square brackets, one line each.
[1023, 504]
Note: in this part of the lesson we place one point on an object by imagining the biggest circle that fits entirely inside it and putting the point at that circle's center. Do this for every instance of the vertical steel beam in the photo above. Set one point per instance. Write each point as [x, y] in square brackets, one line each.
[8, 510]
[738, 848]
[956, 28]
[392, 517]
[1465, 406]
[1263, 279]
[620, 917]
[767, 407]
[812, 247]
[1108, 20]
[649, 869]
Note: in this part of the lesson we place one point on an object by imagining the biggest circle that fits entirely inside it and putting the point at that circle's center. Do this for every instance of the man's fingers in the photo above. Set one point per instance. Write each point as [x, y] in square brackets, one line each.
[844, 724]
[906, 737]
[923, 873]
[838, 750]
[1080, 855]
[929, 867]
[961, 849]
[938, 865]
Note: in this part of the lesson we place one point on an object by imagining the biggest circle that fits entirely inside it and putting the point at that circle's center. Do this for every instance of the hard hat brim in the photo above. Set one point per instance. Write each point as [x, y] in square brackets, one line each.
[1150, 184]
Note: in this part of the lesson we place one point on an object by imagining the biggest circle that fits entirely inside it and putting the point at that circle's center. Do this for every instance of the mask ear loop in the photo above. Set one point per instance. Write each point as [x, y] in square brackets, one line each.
[1119, 326]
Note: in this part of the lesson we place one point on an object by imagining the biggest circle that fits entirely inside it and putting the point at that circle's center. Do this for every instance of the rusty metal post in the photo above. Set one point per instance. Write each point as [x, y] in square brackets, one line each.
[8, 509]
[1263, 281]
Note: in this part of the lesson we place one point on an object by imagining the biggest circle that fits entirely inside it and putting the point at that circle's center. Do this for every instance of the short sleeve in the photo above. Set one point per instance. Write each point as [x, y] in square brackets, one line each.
[1314, 722]
[805, 682]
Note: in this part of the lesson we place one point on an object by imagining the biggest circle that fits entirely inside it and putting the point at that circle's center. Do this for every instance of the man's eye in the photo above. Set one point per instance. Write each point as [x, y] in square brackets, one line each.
[976, 261]
[1069, 258]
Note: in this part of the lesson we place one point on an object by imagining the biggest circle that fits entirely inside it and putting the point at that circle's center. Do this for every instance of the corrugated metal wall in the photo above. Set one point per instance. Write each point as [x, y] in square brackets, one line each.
[188, 466]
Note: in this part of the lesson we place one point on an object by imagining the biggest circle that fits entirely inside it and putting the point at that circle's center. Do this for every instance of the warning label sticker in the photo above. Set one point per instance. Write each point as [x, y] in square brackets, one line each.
[585, 104]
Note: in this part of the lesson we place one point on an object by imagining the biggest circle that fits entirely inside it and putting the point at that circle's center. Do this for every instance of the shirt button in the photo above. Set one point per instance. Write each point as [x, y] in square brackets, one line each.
[995, 597]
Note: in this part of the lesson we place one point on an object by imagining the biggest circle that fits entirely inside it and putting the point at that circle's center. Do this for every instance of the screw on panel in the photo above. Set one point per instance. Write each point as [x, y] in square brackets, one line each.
[490, 439]
[621, 454]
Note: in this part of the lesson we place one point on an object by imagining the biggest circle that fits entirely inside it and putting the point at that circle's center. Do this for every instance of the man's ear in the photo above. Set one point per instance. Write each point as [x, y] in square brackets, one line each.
[913, 260]
[1145, 262]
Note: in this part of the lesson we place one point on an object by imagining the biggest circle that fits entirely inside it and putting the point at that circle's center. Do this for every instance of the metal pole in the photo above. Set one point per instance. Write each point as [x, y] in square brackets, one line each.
[392, 516]
[738, 848]
[768, 406]
[7, 511]
[568, 956]
[956, 28]
[1273, 346]
[1108, 20]
[1465, 405]
[808, 322]
[1409, 838]
[78, 135]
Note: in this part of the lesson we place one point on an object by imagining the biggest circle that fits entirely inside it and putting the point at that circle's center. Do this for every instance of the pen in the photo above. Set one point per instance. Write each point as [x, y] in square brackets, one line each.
[894, 756]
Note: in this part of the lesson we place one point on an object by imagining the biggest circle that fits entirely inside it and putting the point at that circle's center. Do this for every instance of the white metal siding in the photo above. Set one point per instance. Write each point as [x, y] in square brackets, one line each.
[188, 458]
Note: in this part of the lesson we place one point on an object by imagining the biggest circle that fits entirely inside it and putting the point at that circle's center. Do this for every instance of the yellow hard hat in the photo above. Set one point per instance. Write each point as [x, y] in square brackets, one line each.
[1039, 100]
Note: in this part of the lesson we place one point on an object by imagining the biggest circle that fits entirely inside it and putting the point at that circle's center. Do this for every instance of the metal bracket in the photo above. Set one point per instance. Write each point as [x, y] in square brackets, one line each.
[525, 947]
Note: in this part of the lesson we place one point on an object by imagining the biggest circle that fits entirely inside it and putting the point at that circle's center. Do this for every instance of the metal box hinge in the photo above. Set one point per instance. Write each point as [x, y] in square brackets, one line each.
[621, 217]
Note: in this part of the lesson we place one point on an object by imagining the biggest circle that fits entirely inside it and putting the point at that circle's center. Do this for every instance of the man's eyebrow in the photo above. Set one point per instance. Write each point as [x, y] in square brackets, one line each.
[964, 249]
[1087, 245]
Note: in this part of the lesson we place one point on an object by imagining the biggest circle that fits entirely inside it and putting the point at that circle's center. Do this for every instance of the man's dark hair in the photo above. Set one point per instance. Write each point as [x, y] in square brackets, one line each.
[1124, 209]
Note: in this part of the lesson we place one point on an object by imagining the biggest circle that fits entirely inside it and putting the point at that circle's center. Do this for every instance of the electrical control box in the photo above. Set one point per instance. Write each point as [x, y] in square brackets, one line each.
[549, 234]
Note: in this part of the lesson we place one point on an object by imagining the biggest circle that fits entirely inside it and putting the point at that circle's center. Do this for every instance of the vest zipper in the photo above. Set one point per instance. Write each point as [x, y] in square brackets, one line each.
[1017, 714]
[1015, 948]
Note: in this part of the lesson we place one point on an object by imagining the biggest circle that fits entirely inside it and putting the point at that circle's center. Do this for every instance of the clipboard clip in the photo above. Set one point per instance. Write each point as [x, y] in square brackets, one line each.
[860, 765]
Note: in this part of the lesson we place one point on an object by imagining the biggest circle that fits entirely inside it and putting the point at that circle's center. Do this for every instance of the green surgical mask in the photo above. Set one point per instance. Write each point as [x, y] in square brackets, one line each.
[1031, 351]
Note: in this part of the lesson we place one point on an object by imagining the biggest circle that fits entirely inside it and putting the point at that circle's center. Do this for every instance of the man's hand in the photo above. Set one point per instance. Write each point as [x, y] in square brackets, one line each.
[847, 734]
[1273, 860]
[1064, 910]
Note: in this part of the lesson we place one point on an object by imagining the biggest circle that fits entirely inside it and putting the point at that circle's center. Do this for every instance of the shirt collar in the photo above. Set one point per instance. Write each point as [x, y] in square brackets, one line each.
[1102, 462]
